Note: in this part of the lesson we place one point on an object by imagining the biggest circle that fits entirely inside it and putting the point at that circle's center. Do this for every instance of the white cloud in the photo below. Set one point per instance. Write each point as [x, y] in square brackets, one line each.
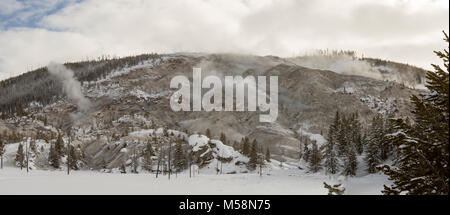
[8, 7]
[405, 31]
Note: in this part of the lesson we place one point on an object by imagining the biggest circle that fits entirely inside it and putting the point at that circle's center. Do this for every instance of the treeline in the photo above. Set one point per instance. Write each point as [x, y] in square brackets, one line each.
[38, 86]
[330, 53]
[345, 141]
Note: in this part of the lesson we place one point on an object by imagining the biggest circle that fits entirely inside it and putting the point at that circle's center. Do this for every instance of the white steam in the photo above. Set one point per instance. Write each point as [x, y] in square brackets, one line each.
[340, 64]
[71, 86]
[349, 65]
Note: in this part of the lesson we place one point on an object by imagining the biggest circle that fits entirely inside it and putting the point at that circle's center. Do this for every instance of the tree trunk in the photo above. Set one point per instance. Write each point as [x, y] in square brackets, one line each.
[159, 160]
[26, 149]
[68, 157]
[169, 168]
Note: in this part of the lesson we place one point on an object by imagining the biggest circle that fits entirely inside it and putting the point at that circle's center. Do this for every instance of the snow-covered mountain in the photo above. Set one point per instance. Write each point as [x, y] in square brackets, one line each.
[130, 108]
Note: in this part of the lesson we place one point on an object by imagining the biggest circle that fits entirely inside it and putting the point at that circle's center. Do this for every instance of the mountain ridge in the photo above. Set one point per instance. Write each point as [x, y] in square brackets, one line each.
[308, 100]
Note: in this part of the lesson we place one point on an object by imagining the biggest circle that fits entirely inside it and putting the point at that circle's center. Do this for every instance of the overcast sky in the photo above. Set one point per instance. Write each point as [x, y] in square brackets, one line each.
[33, 33]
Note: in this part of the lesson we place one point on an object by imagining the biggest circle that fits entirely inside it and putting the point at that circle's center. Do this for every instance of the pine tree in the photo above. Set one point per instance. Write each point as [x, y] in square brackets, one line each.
[350, 162]
[20, 157]
[73, 158]
[344, 138]
[148, 153]
[33, 145]
[386, 147]
[306, 151]
[375, 139]
[315, 159]
[2, 151]
[53, 157]
[356, 134]
[340, 132]
[253, 155]
[223, 138]
[331, 161]
[59, 145]
[268, 155]
[423, 163]
[246, 147]
[180, 159]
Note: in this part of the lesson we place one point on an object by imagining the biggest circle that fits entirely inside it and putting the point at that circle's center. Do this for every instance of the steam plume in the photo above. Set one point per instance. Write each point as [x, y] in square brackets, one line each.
[71, 86]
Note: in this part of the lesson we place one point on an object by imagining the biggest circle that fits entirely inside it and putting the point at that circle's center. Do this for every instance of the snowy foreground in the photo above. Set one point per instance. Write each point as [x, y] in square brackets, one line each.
[278, 182]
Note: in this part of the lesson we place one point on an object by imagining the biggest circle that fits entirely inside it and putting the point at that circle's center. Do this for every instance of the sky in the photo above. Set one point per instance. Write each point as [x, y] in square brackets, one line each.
[34, 33]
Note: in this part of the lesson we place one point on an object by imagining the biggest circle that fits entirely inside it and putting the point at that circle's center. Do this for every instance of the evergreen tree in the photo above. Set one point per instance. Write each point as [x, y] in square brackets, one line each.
[376, 138]
[424, 146]
[253, 155]
[33, 145]
[223, 138]
[340, 132]
[315, 159]
[20, 157]
[331, 161]
[344, 138]
[246, 147]
[267, 155]
[208, 133]
[2, 151]
[73, 158]
[180, 159]
[59, 145]
[306, 150]
[148, 153]
[53, 157]
[350, 161]
[356, 134]
[386, 147]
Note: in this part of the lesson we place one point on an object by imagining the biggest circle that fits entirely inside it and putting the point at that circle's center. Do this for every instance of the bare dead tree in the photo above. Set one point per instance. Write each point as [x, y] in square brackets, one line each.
[159, 160]
[26, 153]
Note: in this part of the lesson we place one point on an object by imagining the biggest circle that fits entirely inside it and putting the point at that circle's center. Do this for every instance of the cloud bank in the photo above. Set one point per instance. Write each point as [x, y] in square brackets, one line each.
[400, 30]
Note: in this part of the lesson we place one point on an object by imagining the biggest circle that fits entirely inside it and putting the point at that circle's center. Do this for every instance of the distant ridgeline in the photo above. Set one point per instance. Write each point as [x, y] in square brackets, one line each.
[347, 60]
[39, 86]
[417, 72]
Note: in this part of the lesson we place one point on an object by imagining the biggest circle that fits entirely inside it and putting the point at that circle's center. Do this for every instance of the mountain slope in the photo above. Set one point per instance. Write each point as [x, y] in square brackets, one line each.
[132, 95]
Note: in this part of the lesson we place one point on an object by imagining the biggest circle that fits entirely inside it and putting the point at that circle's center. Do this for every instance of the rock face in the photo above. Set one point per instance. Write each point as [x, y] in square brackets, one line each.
[205, 150]
[134, 101]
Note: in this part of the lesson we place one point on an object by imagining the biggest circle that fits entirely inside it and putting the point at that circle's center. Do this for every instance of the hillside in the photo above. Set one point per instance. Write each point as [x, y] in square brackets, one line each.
[130, 97]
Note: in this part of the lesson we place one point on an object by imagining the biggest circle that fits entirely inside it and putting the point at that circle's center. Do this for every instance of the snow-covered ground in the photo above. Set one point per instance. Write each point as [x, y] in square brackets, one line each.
[278, 182]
